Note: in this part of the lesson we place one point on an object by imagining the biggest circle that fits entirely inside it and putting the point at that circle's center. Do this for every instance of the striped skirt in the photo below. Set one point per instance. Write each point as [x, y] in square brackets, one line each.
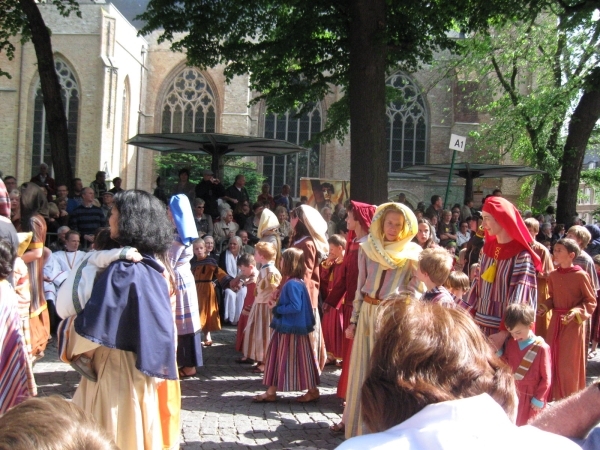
[317, 342]
[290, 363]
[257, 333]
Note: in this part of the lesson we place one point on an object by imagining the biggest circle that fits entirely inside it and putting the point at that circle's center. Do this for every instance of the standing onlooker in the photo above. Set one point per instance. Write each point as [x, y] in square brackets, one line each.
[117, 185]
[15, 207]
[436, 207]
[402, 199]
[234, 295]
[284, 199]
[466, 210]
[204, 222]
[252, 222]
[327, 214]
[183, 186]
[10, 182]
[43, 179]
[76, 191]
[210, 190]
[87, 218]
[242, 212]
[107, 202]
[159, 191]
[265, 196]
[99, 185]
[290, 362]
[237, 193]
[572, 300]
[446, 230]
[62, 193]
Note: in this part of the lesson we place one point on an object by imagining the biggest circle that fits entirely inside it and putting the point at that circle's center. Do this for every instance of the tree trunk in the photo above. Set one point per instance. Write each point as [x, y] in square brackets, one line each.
[366, 90]
[542, 189]
[582, 123]
[56, 120]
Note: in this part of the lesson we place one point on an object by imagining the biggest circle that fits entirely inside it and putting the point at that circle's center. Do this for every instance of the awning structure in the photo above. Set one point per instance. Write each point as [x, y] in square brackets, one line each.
[214, 144]
[470, 171]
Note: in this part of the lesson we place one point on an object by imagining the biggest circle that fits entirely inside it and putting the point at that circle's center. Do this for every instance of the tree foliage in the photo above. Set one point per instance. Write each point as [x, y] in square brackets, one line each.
[295, 51]
[535, 70]
[14, 22]
[169, 165]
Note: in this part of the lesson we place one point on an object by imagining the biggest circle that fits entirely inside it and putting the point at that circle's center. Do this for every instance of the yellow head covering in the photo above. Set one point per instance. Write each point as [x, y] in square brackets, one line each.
[268, 221]
[392, 254]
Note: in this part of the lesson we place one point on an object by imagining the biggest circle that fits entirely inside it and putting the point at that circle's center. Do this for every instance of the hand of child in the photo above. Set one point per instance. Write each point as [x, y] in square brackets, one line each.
[133, 255]
[350, 331]
[272, 303]
[326, 307]
[541, 310]
[497, 339]
[568, 318]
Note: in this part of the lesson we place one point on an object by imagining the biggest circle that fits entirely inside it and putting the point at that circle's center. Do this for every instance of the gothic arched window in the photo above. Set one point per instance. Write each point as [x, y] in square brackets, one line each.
[70, 97]
[288, 169]
[189, 104]
[406, 127]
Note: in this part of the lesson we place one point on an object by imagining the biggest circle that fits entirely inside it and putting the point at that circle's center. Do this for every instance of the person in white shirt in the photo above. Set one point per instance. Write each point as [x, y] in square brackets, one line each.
[463, 235]
[71, 256]
[434, 383]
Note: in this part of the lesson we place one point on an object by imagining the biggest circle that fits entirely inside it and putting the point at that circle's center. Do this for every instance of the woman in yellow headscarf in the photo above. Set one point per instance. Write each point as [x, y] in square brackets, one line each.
[387, 265]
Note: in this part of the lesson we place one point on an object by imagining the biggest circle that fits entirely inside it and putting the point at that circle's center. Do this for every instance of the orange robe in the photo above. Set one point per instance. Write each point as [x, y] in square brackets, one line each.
[542, 322]
[570, 290]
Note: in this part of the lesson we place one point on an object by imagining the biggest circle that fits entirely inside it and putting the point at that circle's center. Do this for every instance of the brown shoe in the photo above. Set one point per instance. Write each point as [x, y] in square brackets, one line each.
[308, 397]
[264, 398]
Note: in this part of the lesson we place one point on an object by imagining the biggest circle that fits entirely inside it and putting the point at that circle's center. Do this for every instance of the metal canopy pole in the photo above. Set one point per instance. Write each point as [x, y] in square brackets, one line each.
[449, 179]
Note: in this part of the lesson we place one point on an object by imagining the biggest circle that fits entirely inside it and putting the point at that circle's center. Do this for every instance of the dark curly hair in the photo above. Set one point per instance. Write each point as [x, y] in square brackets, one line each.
[143, 222]
[7, 256]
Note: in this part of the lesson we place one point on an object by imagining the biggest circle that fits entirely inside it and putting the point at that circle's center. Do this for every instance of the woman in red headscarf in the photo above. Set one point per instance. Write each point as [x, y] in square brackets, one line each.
[508, 268]
[342, 294]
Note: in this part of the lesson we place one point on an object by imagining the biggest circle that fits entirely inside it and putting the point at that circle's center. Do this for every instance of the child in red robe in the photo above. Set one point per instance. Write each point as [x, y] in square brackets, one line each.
[572, 301]
[333, 317]
[529, 358]
[248, 275]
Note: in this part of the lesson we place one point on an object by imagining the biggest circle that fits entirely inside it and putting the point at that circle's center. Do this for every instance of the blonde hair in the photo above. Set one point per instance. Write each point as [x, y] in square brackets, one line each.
[458, 280]
[437, 263]
[266, 250]
[581, 233]
[532, 224]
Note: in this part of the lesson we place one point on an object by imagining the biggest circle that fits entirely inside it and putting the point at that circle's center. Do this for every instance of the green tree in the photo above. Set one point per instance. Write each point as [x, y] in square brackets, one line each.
[296, 50]
[23, 17]
[539, 72]
[170, 164]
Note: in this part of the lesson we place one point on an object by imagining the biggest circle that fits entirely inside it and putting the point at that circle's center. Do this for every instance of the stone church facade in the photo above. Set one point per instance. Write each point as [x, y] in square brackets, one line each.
[117, 84]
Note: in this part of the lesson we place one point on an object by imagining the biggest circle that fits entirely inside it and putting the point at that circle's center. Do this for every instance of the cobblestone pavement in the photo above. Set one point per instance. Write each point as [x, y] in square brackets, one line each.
[217, 411]
[217, 408]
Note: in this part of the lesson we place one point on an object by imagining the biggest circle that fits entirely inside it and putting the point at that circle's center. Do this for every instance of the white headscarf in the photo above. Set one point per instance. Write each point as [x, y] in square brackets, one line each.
[317, 227]
[268, 221]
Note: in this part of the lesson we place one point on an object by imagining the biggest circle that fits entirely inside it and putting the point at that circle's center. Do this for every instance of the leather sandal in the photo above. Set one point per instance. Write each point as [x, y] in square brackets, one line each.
[308, 397]
[264, 398]
[338, 427]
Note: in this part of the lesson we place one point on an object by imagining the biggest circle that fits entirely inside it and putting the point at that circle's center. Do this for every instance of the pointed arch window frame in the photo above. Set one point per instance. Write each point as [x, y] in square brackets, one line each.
[407, 126]
[287, 169]
[70, 91]
[190, 91]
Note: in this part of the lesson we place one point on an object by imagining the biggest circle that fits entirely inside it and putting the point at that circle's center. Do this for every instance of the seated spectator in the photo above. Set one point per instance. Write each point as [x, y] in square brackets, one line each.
[10, 182]
[225, 228]
[435, 383]
[327, 214]
[184, 186]
[211, 251]
[285, 227]
[204, 222]
[63, 215]
[446, 230]
[246, 247]
[242, 212]
[251, 224]
[87, 217]
[265, 196]
[425, 235]
[545, 232]
[61, 239]
[107, 203]
[99, 185]
[52, 223]
[463, 235]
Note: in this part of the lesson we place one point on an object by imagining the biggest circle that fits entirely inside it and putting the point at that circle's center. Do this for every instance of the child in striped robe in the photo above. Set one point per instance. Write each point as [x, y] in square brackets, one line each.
[529, 358]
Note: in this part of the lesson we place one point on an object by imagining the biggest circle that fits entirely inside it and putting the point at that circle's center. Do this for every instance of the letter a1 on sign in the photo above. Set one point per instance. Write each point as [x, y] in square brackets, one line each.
[457, 142]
